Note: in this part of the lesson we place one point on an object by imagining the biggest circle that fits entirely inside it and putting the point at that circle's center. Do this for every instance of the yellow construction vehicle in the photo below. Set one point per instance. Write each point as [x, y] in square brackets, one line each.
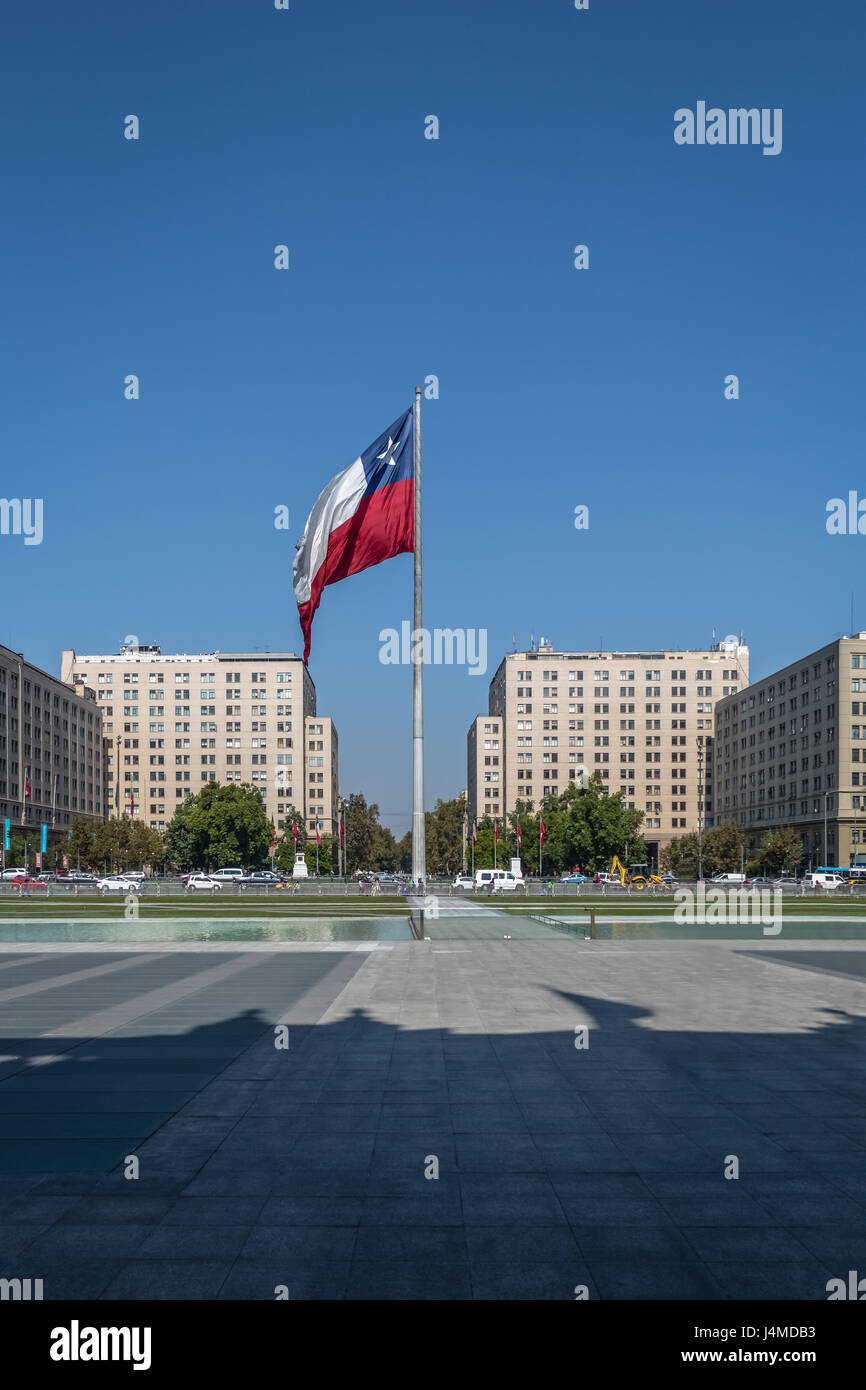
[638, 876]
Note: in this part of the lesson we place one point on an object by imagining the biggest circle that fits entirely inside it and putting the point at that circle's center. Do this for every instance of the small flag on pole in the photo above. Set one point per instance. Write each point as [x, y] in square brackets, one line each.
[518, 834]
[541, 829]
[318, 832]
[295, 832]
[474, 834]
[27, 792]
[495, 831]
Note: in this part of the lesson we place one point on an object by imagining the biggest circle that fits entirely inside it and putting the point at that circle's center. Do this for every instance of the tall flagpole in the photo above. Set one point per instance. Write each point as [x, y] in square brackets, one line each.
[419, 852]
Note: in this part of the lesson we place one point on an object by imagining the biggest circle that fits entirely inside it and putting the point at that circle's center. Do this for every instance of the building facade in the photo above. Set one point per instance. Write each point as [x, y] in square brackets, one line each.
[791, 751]
[486, 767]
[175, 722]
[642, 720]
[52, 753]
[321, 762]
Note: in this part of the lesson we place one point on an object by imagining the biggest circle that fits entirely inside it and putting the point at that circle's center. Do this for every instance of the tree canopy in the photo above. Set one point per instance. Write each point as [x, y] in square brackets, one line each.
[220, 827]
[721, 851]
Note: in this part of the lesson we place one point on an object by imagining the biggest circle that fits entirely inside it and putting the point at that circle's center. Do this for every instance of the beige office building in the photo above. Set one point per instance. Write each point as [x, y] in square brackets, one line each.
[642, 720]
[321, 759]
[51, 741]
[486, 767]
[176, 722]
[791, 751]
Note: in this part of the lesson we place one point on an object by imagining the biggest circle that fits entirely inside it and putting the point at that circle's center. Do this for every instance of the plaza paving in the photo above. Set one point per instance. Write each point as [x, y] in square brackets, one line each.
[558, 1166]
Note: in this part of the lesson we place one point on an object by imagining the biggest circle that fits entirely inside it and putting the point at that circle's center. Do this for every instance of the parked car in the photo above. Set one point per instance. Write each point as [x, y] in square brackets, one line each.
[197, 883]
[25, 884]
[228, 875]
[728, 878]
[116, 883]
[786, 881]
[760, 881]
[670, 879]
[12, 873]
[574, 878]
[464, 881]
[262, 878]
[77, 880]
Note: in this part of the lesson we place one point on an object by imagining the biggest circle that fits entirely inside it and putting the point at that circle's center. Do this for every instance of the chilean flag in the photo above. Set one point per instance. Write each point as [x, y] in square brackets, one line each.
[365, 515]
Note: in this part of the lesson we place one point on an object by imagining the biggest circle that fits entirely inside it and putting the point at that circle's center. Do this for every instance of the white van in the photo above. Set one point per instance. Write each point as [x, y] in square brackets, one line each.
[497, 881]
[728, 878]
[822, 880]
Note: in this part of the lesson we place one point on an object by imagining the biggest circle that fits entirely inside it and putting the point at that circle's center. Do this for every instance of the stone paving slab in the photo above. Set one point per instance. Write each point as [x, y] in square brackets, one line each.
[433, 1132]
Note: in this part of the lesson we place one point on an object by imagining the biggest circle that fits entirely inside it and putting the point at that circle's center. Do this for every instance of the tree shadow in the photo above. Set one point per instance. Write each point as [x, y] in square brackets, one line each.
[362, 1159]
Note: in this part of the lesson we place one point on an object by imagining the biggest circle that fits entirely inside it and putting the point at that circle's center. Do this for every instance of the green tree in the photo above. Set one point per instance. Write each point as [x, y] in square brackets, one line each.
[484, 855]
[369, 845]
[781, 851]
[583, 826]
[587, 826]
[681, 856]
[219, 827]
[444, 836]
[327, 855]
[15, 853]
[723, 848]
[121, 843]
[81, 846]
[403, 855]
[721, 851]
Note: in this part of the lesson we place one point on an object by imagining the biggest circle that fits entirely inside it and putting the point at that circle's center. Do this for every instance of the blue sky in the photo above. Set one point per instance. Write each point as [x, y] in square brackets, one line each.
[411, 257]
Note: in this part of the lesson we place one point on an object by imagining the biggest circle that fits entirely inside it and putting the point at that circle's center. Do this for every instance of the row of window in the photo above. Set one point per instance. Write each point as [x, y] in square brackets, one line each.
[183, 677]
[629, 675]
